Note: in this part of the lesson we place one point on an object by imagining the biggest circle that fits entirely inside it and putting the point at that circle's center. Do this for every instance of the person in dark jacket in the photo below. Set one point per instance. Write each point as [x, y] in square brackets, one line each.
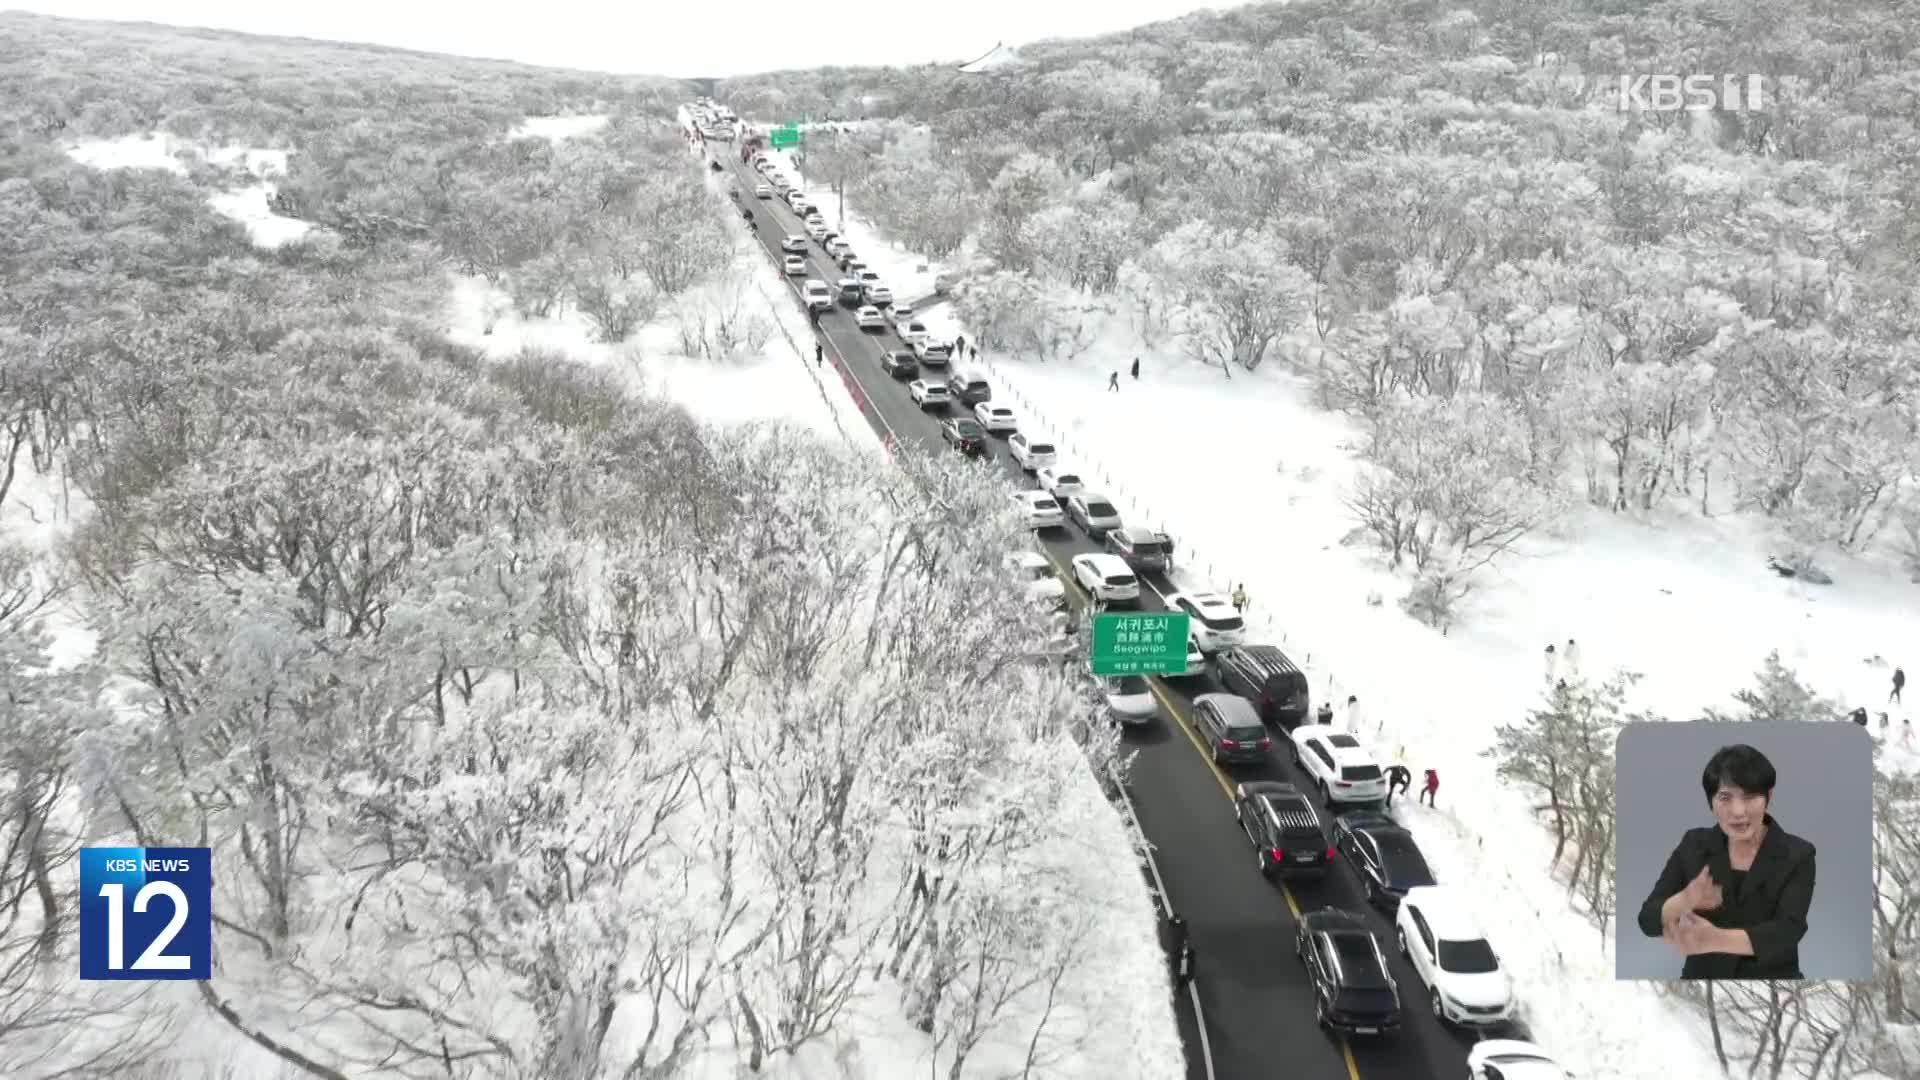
[1733, 898]
[1179, 949]
[1858, 716]
[819, 350]
[1324, 715]
[1399, 779]
[1113, 381]
[959, 346]
[1136, 367]
[1899, 683]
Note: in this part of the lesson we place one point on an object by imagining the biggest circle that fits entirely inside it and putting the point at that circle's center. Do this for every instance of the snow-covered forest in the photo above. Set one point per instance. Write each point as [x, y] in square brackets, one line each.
[1525, 297]
[1442, 217]
[539, 729]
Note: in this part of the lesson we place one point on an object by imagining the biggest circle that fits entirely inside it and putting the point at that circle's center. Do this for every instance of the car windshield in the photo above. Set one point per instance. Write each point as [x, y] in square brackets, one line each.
[1039, 448]
[967, 427]
[1065, 478]
[1249, 733]
[1130, 684]
[1359, 773]
[1096, 508]
[1041, 502]
[1035, 571]
[1122, 579]
[1473, 957]
[1146, 547]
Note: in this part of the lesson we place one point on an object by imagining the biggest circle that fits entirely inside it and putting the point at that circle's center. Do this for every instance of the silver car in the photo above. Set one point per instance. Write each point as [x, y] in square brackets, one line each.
[1094, 513]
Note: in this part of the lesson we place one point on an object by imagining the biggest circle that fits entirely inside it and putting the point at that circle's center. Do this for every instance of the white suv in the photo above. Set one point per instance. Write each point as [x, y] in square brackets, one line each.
[1341, 768]
[1442, 940]
[1032, 453]
[1212, 618]
[1106, 578]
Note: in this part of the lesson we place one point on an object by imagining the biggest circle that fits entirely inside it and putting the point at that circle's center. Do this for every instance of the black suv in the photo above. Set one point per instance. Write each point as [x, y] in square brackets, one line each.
[849, 292]
[1353, 990]
[900, 364]
[1284, 830]
[1263, 675]
[1233, 732]
[964, 435]
[1382, 854]
[1143, 549]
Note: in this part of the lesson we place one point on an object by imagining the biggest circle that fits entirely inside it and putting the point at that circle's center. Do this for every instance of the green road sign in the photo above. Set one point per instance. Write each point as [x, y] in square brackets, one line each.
[1140, 643]
[781, 139]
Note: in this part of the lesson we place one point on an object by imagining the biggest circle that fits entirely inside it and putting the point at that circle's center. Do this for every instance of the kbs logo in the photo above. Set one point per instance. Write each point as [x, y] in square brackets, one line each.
[1671, 93]
[146, 913]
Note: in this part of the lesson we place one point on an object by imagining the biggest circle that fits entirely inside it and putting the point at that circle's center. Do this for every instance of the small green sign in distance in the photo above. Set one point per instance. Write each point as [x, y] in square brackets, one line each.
[1140, 643]
[783, 137]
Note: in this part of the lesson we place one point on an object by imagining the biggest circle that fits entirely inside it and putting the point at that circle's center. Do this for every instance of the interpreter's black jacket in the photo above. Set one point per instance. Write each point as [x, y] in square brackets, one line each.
[1769, 901]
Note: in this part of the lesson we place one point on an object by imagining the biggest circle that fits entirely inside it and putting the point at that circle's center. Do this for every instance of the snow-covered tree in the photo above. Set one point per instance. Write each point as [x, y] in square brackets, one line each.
[1238, 292]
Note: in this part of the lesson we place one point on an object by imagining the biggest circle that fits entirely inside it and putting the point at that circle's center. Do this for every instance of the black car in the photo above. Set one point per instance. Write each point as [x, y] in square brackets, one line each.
[1283, 827]
[1263, 675]
[1382, 854]
[900, 364]
[1233, 731]
[849, 292]
[1353, 989]
[964, 435]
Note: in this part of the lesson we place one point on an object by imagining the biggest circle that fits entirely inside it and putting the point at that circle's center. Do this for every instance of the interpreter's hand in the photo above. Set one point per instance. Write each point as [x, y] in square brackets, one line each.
[1702, 893]
[1693, 936]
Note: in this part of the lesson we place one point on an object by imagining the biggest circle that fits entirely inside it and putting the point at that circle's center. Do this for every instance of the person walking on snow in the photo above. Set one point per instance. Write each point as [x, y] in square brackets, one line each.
[819, 354]
[1429, 792]
[1553, 663]
[1353, 713]
[1399, 779]
[1570, 660]
[973, 352]
[1136, 367]
[1113, 381]
[960, 345]
[1325, 713]
[1239, 591]
[1899, 683]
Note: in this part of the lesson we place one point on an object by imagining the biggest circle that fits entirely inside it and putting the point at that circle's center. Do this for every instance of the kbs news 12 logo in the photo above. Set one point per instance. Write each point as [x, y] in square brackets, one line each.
[146, 913]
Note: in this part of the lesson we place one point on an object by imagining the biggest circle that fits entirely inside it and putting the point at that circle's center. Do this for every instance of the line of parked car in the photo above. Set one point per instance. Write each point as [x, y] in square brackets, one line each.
[1261, 690]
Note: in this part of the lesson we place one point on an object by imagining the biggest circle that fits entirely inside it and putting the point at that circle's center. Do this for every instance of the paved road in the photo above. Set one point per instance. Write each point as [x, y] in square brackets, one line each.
[1256, 1001]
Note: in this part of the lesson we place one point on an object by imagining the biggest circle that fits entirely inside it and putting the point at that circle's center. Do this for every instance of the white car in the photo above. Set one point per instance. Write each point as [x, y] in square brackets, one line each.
[763, 191]
[901, 314]
[816, 229]
[1060, 482]
[1032, 453]
[1512, 1059]
[869, 318]
[1128, 699]
[877, 293]
[997, 419]
[1093, 512]
[793, 244]
[838, 246]
[1106, 578]
[795, 197]
[1343, 770]
[929, 395]
[1212, 618]
[1442, 940]
[795, 264]
[913, 331]
[1041, 510]
[1196, 659]
[868, 278]
[818, 293]
[1033, 571]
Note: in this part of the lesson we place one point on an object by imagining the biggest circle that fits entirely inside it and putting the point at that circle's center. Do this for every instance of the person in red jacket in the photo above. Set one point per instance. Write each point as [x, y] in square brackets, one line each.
[1432, 787]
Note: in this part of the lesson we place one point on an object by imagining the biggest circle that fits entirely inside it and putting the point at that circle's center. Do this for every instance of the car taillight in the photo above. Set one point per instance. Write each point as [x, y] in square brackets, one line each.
[1229, 744]
[1341, 783]
[1265, 742]
[1279, 855]
[1329, 853]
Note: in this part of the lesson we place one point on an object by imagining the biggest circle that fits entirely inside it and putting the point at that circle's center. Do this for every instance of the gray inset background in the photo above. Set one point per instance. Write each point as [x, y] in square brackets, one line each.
[1824, 795]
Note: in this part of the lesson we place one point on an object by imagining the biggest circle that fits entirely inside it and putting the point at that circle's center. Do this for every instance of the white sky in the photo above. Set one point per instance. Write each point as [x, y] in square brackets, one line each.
[656, 37]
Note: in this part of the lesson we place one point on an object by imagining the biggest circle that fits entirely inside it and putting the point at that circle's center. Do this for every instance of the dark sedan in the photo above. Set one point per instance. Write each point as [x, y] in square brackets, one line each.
[900, 364]
[964, 435]
[1382, 854]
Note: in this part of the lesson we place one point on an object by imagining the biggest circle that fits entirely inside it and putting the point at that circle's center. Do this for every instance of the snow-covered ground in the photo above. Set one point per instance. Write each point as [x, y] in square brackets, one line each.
[1687, 603]
[558, 127]
[247, 203]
